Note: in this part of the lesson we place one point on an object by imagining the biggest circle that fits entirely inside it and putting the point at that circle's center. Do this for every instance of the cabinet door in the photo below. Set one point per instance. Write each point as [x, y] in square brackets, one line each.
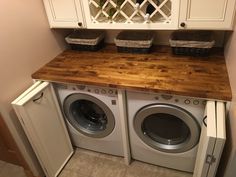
[44, 126]
[131, 14]
[207, 14]
[64, 13]
[212, 140]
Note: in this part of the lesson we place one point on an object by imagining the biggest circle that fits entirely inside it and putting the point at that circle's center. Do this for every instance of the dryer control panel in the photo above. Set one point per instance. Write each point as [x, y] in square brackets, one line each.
[180, 99]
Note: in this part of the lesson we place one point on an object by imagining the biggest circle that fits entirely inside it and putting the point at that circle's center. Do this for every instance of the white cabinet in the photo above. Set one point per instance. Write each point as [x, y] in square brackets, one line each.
[41, 119]
[207, 14]
[212, 140]
[64, 13]
[131, 14]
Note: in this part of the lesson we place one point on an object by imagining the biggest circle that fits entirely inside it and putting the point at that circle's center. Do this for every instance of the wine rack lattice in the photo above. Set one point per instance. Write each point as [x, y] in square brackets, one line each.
[130, 11]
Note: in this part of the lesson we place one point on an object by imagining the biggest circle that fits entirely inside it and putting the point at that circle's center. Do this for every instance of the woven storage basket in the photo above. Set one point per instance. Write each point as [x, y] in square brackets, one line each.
[90, 40]
[194, 43]
[134, 41]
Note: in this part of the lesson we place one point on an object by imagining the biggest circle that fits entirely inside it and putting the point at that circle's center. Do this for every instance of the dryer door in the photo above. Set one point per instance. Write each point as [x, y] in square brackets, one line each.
[88, 115]
[167, 128]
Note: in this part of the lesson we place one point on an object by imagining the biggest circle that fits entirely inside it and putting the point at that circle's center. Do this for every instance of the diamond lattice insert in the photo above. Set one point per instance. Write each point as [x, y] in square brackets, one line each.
[130, 11]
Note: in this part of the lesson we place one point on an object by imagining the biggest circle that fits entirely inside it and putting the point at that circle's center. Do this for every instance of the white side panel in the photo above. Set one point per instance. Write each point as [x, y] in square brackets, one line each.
[221, 137]
[124, 125]
[207, 141]
[45, 128]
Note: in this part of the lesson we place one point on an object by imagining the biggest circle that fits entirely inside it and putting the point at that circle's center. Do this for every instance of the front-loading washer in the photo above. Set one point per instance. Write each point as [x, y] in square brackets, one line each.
[164, 129]
[92, 116]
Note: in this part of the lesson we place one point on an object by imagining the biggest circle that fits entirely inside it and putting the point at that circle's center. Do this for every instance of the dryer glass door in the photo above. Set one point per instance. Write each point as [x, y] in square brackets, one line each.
[167, 128]
[88, 115]
[157, 127]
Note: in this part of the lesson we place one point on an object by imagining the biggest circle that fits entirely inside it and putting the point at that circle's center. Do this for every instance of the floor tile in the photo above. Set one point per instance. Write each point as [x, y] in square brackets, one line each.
[139, 169]
[70, 173]
[166, 172]
[10, 170]
[2, 163]
[82, 162]
[85, 163]
[112, 158]
[106, 167]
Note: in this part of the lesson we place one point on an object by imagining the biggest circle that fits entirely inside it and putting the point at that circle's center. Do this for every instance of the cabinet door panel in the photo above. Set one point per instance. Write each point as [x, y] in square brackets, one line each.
[207, 14]
[64, 13]
[64, 10]
[202, 9]
[212, 140]
[44, 126]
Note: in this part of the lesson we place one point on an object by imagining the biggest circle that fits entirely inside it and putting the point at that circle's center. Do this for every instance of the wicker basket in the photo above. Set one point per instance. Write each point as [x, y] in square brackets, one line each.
[194, 43]
[88, 40]
[134, 41]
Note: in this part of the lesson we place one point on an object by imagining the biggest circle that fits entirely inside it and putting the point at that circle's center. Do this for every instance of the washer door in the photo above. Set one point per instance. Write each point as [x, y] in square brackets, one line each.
[89, 115]
[167, 128]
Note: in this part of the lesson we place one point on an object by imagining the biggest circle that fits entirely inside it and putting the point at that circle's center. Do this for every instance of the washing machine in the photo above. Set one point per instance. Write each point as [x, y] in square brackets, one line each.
[92, 116]
[165, 129]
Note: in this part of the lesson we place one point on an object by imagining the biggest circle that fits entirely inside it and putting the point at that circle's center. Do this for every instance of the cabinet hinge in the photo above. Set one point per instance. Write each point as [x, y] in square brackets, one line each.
[210, 159]
[22, 120]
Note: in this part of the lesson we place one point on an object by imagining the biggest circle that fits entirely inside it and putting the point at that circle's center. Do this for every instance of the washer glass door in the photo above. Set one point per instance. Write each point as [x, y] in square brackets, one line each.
[89, 115]
[167, 128]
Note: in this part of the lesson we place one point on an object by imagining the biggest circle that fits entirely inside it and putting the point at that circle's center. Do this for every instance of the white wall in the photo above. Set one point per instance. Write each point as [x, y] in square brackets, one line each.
[26, 43]
[228, 165]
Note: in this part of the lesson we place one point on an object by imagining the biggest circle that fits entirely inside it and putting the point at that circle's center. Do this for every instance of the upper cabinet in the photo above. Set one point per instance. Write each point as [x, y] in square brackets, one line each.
[141, 14]
[207, 14]
[64, 13]
[132, 14]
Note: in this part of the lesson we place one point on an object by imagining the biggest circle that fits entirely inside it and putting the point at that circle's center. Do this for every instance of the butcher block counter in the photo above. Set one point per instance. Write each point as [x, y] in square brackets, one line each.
[159, 71]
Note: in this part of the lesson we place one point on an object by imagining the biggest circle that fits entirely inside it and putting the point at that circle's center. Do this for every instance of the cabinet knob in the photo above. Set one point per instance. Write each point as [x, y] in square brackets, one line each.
[80, 24]
[182, 24]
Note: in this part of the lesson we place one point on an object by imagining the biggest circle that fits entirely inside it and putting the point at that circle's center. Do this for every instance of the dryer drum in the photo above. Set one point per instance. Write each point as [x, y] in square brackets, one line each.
[88, 115]
[167, 128]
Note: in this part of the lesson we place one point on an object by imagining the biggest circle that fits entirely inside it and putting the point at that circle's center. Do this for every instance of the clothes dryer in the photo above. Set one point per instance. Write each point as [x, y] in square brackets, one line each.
[165, 129]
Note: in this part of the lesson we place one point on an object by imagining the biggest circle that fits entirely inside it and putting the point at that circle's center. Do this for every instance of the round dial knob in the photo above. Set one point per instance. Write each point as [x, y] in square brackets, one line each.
[182, 24]
[103, 91]
[110, 91]
[195, 102]
[187, 101]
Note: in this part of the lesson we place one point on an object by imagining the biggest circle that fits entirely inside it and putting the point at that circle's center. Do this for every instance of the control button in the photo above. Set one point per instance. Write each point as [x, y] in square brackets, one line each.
[204, 102]
[81, 87]
[176, 100]
[156, 98]
[166, 97]
[187, 101]
[89, 90]
[103, 91]
[110, 91]
[96, 91]
[196, 102]
[113, 102]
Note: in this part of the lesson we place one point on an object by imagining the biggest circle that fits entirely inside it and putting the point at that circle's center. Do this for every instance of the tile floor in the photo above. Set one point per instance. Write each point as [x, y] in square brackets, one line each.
[10, 170]
[86, 163]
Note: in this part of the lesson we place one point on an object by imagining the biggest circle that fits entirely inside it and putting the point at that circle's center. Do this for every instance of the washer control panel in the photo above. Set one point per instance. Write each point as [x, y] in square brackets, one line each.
[90, 89]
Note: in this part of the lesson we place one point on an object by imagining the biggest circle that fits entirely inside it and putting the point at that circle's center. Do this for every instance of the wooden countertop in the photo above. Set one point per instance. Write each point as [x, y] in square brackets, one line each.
[160, 71]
